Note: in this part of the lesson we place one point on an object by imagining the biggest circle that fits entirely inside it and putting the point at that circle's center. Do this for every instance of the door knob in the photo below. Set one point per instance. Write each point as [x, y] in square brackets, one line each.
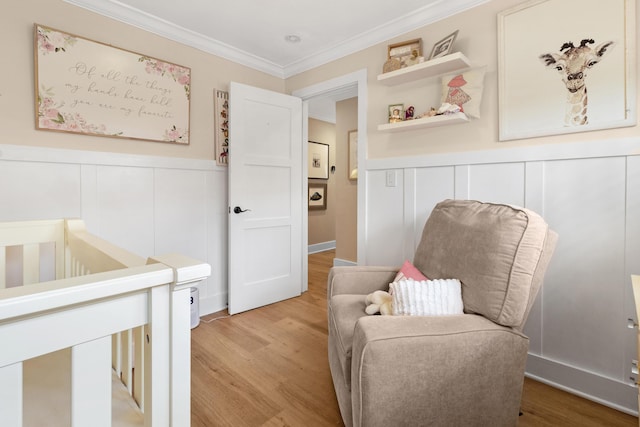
[238, 210]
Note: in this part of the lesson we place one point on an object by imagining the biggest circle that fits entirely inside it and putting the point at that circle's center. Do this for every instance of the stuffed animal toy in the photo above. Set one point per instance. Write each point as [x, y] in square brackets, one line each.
[379, 302]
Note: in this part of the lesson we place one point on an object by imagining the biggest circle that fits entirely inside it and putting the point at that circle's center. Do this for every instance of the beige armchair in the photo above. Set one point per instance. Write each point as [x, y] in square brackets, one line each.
[458, 370]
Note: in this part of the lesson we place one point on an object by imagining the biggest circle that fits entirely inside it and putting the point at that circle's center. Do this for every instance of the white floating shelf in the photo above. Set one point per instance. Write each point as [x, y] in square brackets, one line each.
[446, 64]
[426, 122]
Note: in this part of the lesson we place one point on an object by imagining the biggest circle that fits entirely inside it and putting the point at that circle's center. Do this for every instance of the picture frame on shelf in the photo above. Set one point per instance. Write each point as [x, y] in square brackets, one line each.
[318, 160]
[407, 52]
[396, 113]
[317, 196]
[443, 47]
[352, 162]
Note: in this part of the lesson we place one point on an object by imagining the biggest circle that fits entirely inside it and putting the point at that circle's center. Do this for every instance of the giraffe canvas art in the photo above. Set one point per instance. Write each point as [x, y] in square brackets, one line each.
[573, 63]
[574, 73]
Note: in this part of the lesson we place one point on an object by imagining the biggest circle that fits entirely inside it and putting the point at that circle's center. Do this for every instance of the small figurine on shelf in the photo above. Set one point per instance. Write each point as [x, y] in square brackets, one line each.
[432, 112]
[408, 114]
[413, 59]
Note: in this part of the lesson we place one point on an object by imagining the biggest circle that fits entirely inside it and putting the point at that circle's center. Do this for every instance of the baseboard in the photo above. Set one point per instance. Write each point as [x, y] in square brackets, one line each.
[343, 262]
[212, 304]
[321, 247]
[605, 391]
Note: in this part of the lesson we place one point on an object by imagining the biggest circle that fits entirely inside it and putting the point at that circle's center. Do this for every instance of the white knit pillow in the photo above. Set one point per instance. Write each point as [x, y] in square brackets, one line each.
[427, 298]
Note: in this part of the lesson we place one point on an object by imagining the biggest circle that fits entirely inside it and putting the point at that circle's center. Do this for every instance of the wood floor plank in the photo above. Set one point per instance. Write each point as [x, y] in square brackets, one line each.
[269, 367]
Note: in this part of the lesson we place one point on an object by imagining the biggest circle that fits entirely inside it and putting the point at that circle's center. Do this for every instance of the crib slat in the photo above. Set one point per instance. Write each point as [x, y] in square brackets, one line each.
[138, 363]
[115, 353]
[30, 264]
[127, 359]
[11, 395]
[91, 383]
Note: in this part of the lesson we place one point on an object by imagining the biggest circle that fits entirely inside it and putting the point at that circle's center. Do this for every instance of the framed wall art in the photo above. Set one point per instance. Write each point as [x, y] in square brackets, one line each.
[317, 197]
[91, 88]
[221, 123]
[352, 161]
[443, 47]
[318, 163]
[407, 53]
[543, 78]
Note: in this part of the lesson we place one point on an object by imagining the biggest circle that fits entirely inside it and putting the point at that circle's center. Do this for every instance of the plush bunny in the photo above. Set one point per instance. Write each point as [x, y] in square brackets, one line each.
[379, 302]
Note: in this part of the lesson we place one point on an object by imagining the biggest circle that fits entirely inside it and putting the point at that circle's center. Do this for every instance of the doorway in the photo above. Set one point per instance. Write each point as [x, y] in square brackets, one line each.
[333, 119]
[352, 86]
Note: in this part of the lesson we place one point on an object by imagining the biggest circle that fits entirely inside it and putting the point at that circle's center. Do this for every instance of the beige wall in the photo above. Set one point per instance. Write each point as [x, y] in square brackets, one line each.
[208, 73]
[477, 39]
[322, 223]
[346, 189]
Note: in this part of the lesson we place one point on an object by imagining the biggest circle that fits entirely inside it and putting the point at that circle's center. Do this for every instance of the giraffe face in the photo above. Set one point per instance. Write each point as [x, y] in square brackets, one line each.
[574, 63]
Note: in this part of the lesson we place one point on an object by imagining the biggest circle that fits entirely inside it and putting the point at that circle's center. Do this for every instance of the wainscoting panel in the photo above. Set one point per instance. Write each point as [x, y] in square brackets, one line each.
[180, 199]
[590, 194]
[148, 205]
[585, 203]
[430, 186]
[125, 202]
[632, 251]
[40, 190]
[503, 181]
[385, 229]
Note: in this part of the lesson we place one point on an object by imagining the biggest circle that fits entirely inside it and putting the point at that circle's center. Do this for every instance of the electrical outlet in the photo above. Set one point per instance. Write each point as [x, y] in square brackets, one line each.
[391, 178]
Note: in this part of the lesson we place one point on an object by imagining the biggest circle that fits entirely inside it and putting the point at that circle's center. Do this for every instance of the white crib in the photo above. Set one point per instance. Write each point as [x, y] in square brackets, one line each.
[90, 334]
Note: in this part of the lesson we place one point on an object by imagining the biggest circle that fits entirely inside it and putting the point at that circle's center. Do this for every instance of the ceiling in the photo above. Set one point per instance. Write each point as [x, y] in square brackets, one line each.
[253, 32]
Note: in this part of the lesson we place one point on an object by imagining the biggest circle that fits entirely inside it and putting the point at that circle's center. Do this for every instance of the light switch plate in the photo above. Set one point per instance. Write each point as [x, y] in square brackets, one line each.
[391, 178]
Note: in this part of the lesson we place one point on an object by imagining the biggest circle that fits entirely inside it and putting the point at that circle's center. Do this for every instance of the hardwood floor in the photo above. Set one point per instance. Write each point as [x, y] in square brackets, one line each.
[269, 367]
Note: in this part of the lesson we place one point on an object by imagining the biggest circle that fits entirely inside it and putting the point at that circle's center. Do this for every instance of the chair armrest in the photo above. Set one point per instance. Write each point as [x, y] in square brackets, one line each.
[418, 370]
[359, 280]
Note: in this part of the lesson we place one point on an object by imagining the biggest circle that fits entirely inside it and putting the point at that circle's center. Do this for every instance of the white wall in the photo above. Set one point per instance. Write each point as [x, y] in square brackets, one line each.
[590, 194]
[148, 205]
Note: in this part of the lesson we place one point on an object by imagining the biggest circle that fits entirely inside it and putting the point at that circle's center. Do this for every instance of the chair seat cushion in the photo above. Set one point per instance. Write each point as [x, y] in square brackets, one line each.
[344, 311]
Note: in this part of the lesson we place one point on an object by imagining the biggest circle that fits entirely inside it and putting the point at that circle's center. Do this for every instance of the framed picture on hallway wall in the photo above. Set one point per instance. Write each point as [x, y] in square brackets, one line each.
[353, 155]
[318, 162]
[543, 76]
[317, 197]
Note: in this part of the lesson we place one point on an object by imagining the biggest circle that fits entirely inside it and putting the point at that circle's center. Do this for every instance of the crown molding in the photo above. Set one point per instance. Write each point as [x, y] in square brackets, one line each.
[429, 14]
[413, 21]
[147, 22]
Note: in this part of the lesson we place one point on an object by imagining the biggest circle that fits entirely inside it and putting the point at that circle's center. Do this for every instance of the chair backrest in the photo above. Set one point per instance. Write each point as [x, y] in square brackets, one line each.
[499, 252]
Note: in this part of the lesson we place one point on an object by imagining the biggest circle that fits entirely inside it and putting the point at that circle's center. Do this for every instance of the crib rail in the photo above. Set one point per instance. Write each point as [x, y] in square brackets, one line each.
[103, 291]
[86, 253]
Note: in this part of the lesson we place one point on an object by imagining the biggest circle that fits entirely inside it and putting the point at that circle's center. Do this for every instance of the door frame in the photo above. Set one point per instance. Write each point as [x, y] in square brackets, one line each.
[358, 78]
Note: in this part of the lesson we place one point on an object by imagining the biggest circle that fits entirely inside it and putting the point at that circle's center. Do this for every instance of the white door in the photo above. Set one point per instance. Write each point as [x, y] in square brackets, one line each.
[265, 197]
